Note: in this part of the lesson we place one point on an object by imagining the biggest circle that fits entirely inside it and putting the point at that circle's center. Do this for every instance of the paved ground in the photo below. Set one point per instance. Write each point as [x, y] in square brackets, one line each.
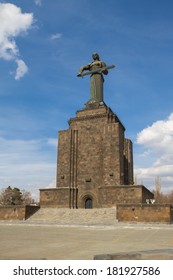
[20, 240]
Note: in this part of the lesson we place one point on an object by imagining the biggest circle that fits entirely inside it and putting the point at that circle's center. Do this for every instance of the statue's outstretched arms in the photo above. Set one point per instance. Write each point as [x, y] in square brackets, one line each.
[83, 68]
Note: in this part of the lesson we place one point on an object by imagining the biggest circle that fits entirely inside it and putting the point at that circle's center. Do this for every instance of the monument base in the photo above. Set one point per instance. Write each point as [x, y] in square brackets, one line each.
[102, 197]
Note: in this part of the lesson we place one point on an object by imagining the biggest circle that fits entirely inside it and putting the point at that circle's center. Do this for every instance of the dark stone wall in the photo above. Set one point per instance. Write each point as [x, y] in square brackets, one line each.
[59, 198]
[63, 162]
[102, 197]
[92, 153]
[161, 213]
[171, 213]
[12, 213]
[123, 194]
[30, 210]
[17, 212]
[128, 162]
[146, 194]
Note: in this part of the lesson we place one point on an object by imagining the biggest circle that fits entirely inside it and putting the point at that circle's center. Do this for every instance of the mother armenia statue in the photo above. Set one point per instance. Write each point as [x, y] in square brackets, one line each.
[96, 69]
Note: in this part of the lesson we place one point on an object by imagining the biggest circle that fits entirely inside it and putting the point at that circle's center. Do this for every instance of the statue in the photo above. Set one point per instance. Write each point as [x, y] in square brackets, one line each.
[96, 69]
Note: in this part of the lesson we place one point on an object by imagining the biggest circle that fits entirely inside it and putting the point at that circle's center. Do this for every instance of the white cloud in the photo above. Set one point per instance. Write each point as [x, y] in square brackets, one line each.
[159, 136]
[56, 36]
[38, 2]
[157, 141]
[13, 24]
[21, 70]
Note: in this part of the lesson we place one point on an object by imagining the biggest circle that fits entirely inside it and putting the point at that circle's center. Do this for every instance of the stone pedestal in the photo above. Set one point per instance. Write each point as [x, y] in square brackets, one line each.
[95, 163]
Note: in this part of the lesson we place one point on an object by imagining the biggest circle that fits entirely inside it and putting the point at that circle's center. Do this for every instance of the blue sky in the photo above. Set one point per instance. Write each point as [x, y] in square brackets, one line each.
[42, 46]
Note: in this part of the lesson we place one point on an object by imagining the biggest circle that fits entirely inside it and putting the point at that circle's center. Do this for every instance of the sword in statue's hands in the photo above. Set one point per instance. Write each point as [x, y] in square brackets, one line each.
[99, 70]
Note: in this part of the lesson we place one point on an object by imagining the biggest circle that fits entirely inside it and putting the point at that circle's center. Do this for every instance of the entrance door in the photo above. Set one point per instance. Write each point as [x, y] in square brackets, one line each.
[88, 203]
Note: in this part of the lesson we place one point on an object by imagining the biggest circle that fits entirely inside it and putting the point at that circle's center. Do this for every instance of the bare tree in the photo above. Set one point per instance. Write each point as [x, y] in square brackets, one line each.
[162, 197]
[26, 197]
[14, 196]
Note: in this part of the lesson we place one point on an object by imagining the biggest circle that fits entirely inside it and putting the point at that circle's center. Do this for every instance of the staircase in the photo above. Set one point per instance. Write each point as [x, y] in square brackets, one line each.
[97, 216]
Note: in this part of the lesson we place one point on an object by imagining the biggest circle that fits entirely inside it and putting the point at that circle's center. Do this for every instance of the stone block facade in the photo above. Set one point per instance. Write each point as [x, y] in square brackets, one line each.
[114, 195]
[95, 170]
[102, 197]
[12, 213]
[55, 197]
[93, 151]
[17, 212]
[93, 154]
[160, 213]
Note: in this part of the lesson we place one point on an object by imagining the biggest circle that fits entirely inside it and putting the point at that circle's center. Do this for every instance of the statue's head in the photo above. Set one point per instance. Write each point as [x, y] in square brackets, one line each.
[95, 56]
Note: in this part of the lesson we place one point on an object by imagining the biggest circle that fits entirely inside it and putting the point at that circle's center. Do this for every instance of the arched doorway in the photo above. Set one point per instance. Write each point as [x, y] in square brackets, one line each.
[88, 203]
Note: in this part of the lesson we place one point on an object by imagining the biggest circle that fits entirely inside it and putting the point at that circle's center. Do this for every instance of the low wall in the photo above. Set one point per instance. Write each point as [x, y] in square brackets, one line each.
[30, 210]
[17, 212]
[172, 214]
[161, 213]
[111, 195]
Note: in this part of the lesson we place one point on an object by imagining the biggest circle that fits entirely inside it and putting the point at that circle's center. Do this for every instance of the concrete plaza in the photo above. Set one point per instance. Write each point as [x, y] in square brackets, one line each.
[21, 240]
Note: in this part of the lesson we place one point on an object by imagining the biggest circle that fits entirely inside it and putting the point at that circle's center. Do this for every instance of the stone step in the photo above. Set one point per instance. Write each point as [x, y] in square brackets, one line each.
[63, 216]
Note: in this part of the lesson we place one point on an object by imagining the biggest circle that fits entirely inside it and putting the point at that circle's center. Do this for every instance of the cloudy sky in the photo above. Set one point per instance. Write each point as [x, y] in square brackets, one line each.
[42, 46]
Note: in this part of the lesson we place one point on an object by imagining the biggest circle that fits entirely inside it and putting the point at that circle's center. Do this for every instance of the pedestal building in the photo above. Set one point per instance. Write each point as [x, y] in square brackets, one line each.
[95, 160]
